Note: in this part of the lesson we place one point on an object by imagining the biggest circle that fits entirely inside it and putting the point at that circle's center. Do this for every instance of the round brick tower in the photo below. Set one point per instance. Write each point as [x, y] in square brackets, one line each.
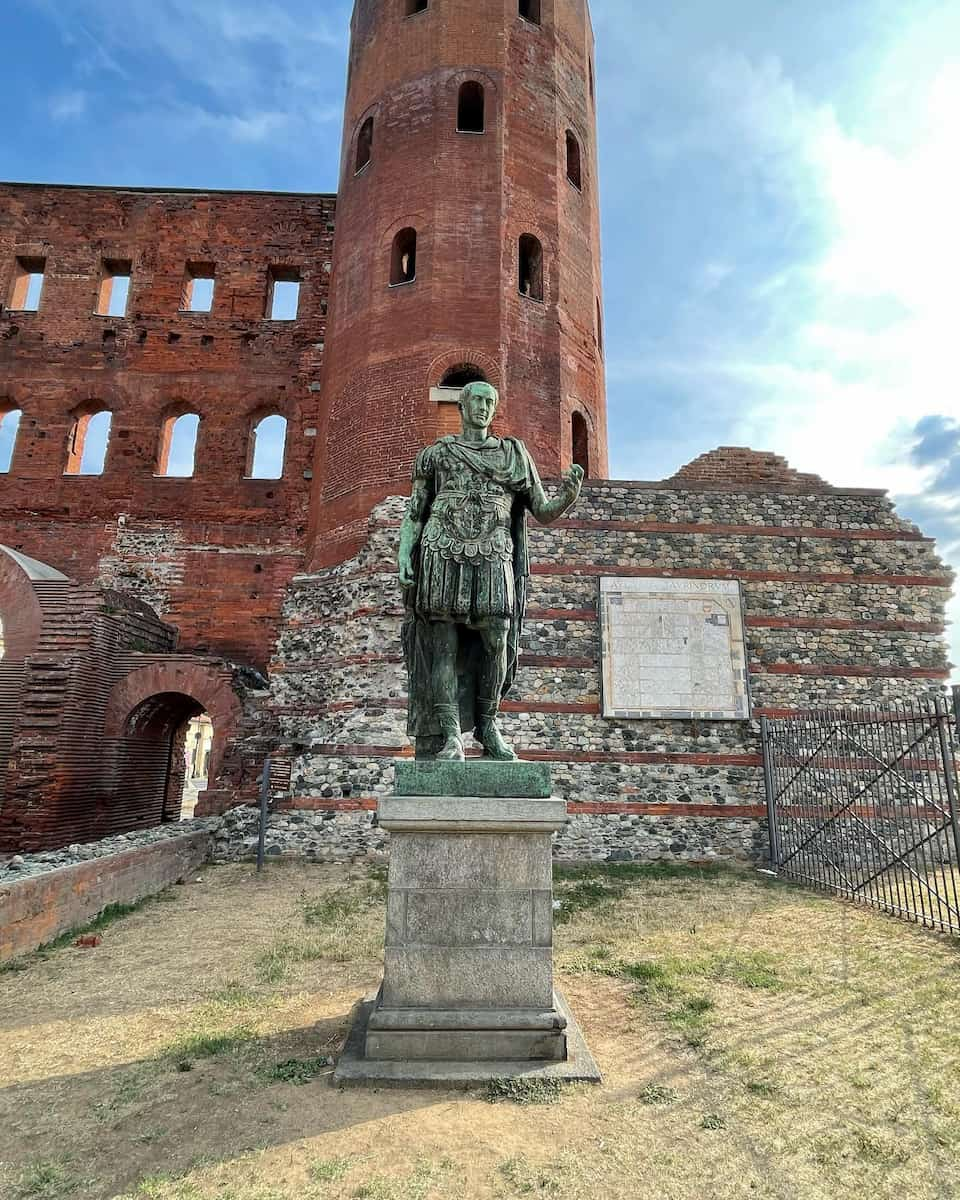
[467, 246]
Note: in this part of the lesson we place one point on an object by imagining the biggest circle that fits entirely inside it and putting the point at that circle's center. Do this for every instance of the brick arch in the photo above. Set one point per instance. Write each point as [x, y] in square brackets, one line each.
[176, 683]
[453, 358]
[19, 610]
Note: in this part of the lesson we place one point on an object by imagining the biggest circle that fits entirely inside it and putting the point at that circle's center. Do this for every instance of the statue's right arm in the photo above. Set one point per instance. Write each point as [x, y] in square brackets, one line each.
[412, 528]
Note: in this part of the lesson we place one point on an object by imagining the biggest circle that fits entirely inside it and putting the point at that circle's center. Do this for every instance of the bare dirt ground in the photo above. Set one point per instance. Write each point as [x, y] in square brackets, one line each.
[756, 1041]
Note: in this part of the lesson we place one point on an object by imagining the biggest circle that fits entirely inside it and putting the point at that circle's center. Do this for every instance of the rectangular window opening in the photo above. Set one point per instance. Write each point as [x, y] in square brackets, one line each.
[198, 285]
[283, 295]
[114, 288]
[28, 284]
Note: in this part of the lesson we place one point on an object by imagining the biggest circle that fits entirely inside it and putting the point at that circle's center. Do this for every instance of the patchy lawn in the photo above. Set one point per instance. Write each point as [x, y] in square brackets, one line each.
[756, 1040]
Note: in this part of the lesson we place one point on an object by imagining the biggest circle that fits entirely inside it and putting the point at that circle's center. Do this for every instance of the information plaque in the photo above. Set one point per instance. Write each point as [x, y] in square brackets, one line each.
[673, 648]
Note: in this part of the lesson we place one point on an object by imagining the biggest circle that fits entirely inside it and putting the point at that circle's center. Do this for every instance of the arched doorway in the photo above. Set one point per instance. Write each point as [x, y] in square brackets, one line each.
[156, 717]
[197, 745]
[165, 758]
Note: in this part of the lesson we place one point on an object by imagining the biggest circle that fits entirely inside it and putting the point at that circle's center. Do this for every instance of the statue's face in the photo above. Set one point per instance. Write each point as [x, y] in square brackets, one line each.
[478, 404]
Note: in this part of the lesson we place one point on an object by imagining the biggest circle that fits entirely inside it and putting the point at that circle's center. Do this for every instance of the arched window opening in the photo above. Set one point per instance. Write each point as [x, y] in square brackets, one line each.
[9, 428]
[530, 11]
[573, 160]
[599, 326]
[414, 6]
[364, 145]
[178, 446]
[462, 374]
[470, 108]
[89, 438]
[403, 264]
[531, 267]
[268, 440]
[581, 443]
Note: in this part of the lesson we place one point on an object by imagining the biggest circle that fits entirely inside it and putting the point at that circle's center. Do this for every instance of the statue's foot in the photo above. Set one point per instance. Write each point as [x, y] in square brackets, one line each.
[493, 744]
[452, 750]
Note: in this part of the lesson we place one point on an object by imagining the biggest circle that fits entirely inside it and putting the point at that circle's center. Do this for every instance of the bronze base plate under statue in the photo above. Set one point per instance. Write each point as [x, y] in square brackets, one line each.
[467, 993]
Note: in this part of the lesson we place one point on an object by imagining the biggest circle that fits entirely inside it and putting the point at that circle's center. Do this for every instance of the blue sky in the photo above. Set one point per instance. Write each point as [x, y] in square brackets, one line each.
[780, 184]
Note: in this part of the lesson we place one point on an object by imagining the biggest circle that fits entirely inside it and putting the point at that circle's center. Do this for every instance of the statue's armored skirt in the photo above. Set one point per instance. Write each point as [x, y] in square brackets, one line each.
[462, 579]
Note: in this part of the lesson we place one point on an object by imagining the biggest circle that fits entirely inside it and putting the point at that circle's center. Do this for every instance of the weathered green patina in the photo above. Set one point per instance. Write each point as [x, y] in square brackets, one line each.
[476, 777]
[463, 568]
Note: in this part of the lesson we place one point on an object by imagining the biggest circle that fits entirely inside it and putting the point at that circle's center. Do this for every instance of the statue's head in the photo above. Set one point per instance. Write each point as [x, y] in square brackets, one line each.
[478, 404]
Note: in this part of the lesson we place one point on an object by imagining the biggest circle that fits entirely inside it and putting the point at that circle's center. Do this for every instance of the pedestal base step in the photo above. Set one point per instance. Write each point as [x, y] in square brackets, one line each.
[355, 1069]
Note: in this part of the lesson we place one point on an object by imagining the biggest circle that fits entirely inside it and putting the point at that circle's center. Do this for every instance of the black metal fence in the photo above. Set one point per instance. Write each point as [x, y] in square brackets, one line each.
[864, 803]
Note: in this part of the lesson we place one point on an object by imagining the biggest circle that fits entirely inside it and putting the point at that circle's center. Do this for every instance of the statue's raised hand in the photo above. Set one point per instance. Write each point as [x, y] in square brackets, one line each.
[573, 481]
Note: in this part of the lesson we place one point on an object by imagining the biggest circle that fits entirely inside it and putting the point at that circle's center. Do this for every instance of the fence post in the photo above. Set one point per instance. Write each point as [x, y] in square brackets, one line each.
[772, 825]
[948, 753]
[264, 803]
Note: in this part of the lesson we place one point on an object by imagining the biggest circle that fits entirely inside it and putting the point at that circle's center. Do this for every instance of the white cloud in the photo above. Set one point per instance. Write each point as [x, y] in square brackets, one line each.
[67, 105]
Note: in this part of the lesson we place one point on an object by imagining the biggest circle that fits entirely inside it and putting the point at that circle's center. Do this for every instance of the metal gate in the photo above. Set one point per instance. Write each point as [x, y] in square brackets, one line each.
[864, 803]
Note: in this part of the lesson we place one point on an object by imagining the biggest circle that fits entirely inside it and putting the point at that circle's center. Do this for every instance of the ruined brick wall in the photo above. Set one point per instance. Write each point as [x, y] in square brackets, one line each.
[37, 910]
[93, 701]
[844, 605]
[470, 196]
[212, 553]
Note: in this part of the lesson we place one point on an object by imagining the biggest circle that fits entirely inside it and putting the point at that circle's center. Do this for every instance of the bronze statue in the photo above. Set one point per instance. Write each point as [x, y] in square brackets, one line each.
[463, 568]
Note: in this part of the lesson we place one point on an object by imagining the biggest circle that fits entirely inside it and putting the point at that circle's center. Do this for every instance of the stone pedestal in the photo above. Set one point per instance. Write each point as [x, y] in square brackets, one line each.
[467, 989]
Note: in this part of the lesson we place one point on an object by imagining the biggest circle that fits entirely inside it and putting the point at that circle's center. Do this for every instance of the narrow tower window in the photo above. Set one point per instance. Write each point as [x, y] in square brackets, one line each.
[268, 440]
[593, 85]
[28, 284]
[470, 109]
[531, 267]
[87, 449]
[178, 445]
[9, 427]
[364, 145]
[573, 160]
[599, 326]
[414, 6]
[581, 443]
[403, 265]
[530, 11]
[114, 288]
[283, 294]
[198, 284]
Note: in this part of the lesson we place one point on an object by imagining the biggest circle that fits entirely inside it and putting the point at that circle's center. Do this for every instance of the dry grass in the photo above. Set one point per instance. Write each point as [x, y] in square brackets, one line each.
[757, 1041]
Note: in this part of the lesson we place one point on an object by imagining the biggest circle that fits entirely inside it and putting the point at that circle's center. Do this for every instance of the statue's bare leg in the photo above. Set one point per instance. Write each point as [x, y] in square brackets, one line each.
[443, 687]
[493, 672]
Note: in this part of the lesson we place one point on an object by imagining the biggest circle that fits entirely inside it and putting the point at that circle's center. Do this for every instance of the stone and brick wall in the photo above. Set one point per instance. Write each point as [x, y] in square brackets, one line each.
[844, 605]
[212, 553]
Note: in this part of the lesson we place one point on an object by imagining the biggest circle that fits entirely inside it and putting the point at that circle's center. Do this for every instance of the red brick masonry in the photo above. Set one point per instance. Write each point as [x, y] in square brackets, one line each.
[37, 910]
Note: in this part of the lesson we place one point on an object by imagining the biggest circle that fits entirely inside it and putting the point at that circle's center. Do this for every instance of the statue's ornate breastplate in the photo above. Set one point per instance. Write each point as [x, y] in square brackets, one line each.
[470, 515]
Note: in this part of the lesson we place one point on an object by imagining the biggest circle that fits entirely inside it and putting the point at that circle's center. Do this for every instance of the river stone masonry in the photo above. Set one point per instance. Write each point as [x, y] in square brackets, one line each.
[843, 605]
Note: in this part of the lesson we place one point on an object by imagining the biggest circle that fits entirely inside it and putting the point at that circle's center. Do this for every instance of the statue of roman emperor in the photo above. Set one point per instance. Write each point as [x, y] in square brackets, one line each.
[463, 568]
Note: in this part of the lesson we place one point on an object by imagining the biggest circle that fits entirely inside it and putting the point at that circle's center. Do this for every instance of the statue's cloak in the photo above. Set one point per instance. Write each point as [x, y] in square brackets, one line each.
[506, 462]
